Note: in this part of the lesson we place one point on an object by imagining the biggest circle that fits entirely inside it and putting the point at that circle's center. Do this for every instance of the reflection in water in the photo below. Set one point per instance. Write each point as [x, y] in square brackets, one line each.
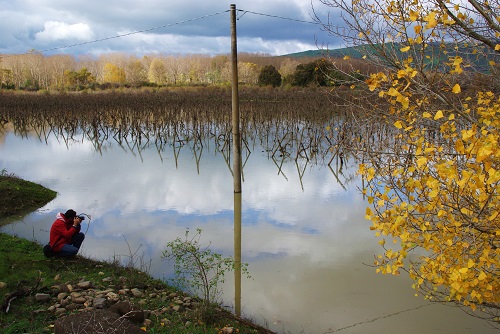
[304, 234]
[237, 253]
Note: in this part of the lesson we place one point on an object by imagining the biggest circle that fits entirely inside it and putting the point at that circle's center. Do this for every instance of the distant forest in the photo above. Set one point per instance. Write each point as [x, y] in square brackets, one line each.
[61, 72]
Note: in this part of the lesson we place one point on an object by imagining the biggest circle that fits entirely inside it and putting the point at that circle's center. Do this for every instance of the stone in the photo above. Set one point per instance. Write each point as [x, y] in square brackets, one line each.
[136, 292]
[79, 300]
[42, 297]
[85, 285]
[227, 330]
[75, 295]
[101, 303]
[113, 297]
[61, 296]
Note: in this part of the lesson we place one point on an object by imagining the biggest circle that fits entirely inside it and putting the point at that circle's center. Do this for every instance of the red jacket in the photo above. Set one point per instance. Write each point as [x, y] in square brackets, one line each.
[61, 232]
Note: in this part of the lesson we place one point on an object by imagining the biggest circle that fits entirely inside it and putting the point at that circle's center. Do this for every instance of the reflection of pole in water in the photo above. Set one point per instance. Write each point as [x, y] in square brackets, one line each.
[236, 165]
[237, 253]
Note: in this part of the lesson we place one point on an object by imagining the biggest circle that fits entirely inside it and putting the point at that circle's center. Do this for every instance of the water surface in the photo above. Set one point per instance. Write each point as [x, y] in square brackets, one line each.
[304, 235]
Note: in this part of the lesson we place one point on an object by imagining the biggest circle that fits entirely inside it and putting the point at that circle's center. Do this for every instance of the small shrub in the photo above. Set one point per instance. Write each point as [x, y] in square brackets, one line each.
[199, 270]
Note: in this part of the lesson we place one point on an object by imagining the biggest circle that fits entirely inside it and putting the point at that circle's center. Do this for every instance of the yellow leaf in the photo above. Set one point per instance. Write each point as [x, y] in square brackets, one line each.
[482, 276]
[426, 115]
[463, 270]
[405, 49]
[438, 115]
[421, 161]
[347, 57]
[398, 124]
[413, 15]
[459, 146]
[497, 47]
[431, 20]
[417, 29]
[456, 89]
[470, 264]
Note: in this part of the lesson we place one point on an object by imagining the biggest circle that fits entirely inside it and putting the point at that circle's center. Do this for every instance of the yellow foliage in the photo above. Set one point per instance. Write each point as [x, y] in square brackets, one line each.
[437, 193]
[449, 205]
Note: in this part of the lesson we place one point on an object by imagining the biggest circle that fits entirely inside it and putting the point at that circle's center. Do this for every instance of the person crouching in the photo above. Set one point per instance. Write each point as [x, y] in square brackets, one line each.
[65, 236]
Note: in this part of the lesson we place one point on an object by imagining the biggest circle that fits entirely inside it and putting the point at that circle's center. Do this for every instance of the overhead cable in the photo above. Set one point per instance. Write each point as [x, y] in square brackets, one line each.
[133, 32]
[164, 26]
[276, 17]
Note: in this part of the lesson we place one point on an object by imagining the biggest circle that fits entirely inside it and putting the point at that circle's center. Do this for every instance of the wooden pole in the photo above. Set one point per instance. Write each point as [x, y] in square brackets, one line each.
[235, 105]
[236, 165]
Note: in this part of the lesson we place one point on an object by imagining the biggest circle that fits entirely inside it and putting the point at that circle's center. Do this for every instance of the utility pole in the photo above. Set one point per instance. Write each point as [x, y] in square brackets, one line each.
[236, 164]
[235, 105]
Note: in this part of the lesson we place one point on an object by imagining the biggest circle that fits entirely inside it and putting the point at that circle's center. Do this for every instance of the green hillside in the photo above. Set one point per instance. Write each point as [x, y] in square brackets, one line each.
[434, 55]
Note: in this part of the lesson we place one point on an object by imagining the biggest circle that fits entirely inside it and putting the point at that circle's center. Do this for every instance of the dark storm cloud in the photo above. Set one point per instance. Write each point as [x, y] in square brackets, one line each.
[196, 26]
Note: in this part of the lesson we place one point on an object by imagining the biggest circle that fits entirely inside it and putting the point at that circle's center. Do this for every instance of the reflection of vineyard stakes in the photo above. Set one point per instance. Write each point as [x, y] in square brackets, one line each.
[290, 125]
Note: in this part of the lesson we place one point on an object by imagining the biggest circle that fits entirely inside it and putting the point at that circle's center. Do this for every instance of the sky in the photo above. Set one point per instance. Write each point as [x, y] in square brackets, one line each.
[177, 27]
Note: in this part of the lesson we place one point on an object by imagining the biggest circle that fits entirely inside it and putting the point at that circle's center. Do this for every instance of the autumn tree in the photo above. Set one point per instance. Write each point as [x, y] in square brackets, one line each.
[136, 73]
[433, 181]
[314, 73]
[269, 76]
[6, 78]
[248, 72]
[156, 72]
[113, 74]
[78, 79]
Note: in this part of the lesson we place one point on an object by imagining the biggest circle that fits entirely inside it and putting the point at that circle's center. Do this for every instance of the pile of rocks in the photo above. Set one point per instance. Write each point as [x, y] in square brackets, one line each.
[116, 307]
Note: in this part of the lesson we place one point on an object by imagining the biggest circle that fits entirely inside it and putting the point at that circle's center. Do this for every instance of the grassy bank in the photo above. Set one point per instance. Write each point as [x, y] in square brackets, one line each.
[18, 196]
[26, 275]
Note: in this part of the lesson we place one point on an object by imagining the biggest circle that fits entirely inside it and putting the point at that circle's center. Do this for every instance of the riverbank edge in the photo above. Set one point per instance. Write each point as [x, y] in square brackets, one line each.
[25, 274]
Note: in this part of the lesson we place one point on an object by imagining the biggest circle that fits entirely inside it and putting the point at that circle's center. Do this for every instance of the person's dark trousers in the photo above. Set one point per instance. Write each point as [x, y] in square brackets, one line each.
[74, 247]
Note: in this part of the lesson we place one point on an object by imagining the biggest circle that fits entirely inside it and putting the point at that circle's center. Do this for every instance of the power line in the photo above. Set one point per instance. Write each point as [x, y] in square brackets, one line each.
[165, 26]
[133, 32]
[275, 16]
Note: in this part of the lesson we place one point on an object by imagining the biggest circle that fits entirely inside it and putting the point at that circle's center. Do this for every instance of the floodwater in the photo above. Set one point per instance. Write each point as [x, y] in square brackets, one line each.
[304, 236]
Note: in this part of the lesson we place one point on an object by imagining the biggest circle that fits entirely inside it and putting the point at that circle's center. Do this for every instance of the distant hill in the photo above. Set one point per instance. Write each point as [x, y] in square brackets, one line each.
[434, 55]
[335, 53]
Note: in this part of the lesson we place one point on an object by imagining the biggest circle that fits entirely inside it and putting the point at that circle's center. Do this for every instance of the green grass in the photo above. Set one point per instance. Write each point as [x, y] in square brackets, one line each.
[24, 270]
[18, 196]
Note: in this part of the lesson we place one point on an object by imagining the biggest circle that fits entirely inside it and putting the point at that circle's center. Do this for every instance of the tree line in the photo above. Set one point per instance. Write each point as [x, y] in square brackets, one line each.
[35, 71]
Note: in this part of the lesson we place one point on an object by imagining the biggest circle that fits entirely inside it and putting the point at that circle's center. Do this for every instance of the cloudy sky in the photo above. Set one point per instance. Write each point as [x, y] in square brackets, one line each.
[151, 26]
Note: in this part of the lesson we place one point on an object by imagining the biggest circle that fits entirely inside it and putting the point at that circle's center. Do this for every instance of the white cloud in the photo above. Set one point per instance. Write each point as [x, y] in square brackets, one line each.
[56, 30]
